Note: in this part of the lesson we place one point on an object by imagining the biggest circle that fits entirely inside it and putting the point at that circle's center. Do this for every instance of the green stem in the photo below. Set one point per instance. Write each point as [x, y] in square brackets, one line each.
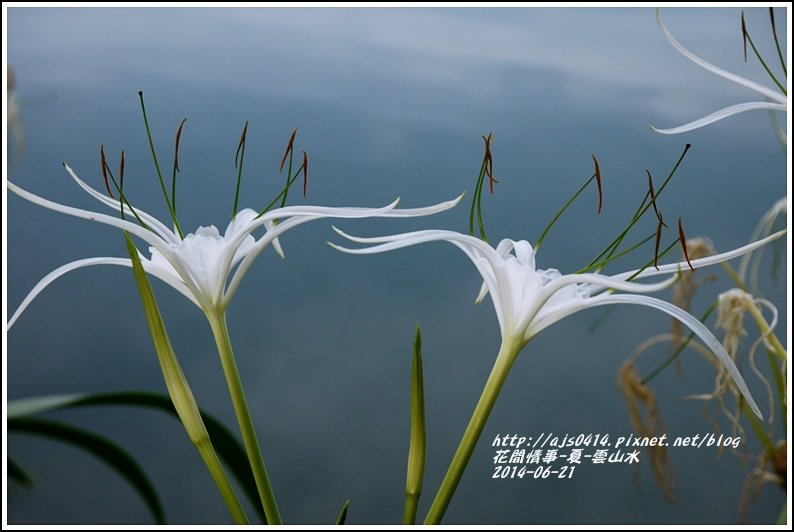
[221, 332]
[409, 514]
[504, 361]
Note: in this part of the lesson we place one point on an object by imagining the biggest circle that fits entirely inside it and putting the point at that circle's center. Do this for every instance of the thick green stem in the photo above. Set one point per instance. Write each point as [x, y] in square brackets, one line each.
[504, 361]
[221, 332]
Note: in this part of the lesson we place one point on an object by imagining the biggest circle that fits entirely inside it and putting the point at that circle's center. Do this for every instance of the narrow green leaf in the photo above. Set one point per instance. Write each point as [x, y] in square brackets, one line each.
[416, 451]
[342, 517]
[17, 474]
[225, 442]
[105, 450]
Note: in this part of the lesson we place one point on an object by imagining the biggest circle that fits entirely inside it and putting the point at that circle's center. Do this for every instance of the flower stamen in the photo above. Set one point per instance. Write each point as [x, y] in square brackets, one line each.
[305, 173]
[289, 149]
[104, 164]
[241, 153]
[598, 183]
[682, 239]
[653, 198]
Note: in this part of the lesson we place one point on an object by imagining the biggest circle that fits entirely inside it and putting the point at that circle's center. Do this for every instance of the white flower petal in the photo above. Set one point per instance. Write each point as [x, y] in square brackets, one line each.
[690, 321]
[752, 85]
[95, 261]
[699, 263]
[154, 224]
[722, 113]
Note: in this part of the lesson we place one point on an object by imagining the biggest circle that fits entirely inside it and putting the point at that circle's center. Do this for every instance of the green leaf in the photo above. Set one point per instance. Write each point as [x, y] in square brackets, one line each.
[102, 448]
[226, 444]
[16, 473]
[343, 513]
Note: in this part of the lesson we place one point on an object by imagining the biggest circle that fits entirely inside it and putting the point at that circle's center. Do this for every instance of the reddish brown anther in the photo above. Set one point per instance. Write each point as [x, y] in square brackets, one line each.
[488, 161]
[305, 173]
[176, 145]
[658, 241]
[288, 150]
[598, 182]
[121, 172]
[653, 198]
[104, 163]
[744, 37]
[241, 144]
[682, 237]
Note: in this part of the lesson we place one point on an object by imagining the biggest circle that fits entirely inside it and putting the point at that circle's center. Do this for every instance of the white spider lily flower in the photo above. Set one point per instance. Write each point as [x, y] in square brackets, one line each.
[774, 100]
[528, 299]
[205, 266]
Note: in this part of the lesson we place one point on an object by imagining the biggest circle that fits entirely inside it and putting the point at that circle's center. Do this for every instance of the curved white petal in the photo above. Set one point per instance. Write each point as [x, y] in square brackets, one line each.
[401, 240]
[722, 113]
[698, 263]
[387, 211]
[154, 224]
[270, 237]
[94, 261]
[147, 236]
[424, 211]
[752, 85]
[668, 308]
[300, 214]
[764, 226]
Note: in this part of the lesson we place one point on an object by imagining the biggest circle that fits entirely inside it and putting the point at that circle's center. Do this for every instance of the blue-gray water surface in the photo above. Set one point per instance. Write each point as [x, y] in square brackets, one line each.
[388, 103]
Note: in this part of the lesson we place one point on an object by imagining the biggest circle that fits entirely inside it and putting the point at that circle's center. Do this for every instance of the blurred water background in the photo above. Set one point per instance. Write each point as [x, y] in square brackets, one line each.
[389, 103]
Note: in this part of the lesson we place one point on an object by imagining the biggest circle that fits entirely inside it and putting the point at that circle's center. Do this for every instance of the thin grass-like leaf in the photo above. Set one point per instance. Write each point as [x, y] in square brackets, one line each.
[105, 450]
[18, 474]
[225, 442]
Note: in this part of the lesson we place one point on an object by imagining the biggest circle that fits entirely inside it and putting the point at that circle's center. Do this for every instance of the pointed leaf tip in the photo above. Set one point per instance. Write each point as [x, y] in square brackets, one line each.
[340, 520]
